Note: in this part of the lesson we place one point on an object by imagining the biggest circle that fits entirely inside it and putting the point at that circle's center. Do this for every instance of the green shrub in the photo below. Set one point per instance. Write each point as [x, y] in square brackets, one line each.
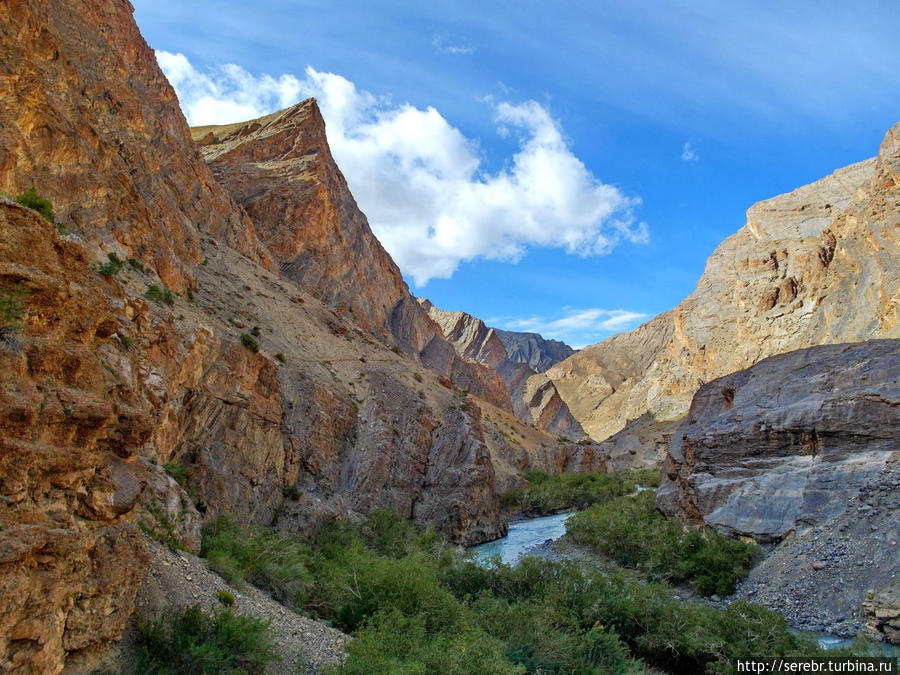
[255, 331]
[32, 200]
[634, 534]
[137, 265]
[290, 492]
[225, 598]
[417, 377]
[191, 641]
[157, 294]
[392, 643]
[281, 357]
[111, 267]
[549, 494]
[12, 304]
[176, 470]
[250, 342]
[126, 341]
[260, 556]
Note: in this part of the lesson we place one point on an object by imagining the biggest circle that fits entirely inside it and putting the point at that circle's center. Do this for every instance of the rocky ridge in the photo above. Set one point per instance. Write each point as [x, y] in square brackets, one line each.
[814, 266]
[280, 169]
[534, 396]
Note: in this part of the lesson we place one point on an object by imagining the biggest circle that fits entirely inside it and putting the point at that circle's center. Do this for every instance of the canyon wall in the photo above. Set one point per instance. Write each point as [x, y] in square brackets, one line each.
[814, 266]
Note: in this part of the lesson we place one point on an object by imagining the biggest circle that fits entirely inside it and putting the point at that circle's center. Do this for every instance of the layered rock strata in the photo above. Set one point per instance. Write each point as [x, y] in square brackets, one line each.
[280, 169]
[814, 266]
[89, 120]
[784, 444]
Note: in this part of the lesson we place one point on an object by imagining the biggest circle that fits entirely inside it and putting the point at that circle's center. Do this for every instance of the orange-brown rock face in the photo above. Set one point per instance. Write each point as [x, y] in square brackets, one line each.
[70, 556]
[280, 169]
[87, 117]
[815, 266]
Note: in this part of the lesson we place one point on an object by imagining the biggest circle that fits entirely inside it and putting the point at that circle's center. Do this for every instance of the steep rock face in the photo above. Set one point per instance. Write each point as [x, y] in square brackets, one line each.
[70, 433]
[534, 350]
[280, 169]
[785, 443]
[534, 396]
[815, 266]
[87, 117]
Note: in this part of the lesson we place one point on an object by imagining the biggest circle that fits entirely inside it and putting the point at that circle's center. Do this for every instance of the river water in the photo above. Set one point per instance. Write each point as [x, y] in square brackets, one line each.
[524, 535]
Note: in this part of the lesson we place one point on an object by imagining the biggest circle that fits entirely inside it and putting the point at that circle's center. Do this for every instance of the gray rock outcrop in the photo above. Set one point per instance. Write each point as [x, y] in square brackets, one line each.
[784, 444]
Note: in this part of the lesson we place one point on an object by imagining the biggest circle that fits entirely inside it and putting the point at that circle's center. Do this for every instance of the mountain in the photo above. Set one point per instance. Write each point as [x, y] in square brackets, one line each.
[89, 120]
[280, 169]
[814, 266]
[214, 350]
[533, 350]
[534, 397]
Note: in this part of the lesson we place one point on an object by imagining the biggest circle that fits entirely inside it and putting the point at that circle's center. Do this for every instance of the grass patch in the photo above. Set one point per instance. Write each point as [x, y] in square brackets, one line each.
[160, 295]
[12, 305]
[548, 494]
[191, 641]
[32, 200]
[635, 535]
[137, 265]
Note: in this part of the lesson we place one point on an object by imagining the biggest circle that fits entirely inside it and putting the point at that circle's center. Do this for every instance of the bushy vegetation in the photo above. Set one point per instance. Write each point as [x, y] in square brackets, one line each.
[32, 200]
[12, 305]
[547, 494]
[416, 604]
[176, 470]
[111, 267]
[634, 534]
[191, 641]
[157, 294]
[250, 342]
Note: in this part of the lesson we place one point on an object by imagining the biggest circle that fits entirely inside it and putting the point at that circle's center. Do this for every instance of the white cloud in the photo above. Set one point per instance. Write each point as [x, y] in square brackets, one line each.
[688, 153]
[577, 327]
[421, 182]
[444, 46]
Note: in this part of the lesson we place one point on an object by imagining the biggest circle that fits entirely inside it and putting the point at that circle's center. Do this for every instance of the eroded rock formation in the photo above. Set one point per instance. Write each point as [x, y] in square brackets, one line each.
[87, 117]
[815, 266]
[534, 396]
[279, 167]
[786, 443]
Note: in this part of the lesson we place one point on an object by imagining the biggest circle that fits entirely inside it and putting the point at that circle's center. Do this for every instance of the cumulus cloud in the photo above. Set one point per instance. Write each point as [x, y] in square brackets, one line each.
[421, 182]
[577, 327]
[688, 153]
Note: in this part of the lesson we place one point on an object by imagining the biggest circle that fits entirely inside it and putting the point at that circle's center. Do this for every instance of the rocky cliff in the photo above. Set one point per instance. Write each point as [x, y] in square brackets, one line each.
[800, 446]
[815, 266]
[533, 350]
[783, 444]
[280, 169]
[262, 401]
[534, 396]
[88, 119]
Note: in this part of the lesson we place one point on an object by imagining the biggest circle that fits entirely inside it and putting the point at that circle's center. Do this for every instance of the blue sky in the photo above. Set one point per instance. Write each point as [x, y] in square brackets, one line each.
[565, 167]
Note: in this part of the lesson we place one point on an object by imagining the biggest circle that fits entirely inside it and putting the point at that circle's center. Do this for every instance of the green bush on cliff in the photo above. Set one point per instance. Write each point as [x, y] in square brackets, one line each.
[191, 641]
[32, 200]
[634, 534]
